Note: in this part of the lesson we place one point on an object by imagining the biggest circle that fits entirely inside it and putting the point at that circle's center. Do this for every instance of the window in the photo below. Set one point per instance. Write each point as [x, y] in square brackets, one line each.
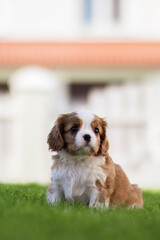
[4, 88]
[87, 8]
[79, 91]
[116, 9]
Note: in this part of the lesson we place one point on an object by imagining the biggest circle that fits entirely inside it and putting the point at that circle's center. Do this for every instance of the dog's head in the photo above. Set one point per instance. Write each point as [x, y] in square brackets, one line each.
[79, 133]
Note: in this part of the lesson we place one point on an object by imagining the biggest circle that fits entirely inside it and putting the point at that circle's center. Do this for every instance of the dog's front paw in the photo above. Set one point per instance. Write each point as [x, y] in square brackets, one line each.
[69, 198]
[52, 198]
[99, 205]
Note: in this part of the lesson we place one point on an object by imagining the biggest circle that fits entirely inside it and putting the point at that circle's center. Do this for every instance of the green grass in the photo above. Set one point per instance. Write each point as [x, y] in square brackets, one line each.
[24, 214]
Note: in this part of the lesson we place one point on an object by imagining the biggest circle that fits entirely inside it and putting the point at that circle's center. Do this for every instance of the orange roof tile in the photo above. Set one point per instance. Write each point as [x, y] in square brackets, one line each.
[72, 54]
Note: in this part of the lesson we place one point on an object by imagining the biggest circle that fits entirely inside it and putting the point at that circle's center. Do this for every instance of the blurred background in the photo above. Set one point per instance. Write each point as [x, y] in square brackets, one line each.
[58, 56]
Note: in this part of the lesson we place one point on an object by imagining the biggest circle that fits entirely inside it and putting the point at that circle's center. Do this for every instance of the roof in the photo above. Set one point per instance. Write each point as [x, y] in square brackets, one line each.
[80, 54]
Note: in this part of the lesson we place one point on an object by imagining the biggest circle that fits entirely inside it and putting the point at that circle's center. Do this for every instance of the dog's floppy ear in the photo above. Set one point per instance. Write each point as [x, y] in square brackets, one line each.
[104, 145]
[55, 138]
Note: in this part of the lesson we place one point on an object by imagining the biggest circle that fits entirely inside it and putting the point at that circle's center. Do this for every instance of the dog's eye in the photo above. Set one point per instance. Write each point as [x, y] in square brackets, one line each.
[74, 129]
[96, 130]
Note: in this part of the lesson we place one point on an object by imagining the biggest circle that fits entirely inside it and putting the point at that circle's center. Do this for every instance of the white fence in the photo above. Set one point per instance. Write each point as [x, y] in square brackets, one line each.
[132, 112]
[26, 117]
[37, 97]
[5, 133]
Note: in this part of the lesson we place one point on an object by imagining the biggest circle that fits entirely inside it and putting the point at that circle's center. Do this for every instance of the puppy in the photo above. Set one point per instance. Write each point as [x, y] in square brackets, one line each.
[82, 170]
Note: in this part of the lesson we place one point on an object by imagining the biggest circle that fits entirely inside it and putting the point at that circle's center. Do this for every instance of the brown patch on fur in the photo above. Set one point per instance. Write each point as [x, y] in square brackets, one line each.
[55, 139]
[103, 144]
[69, 137]
[97, 124]
[117, 187]
[60, 135]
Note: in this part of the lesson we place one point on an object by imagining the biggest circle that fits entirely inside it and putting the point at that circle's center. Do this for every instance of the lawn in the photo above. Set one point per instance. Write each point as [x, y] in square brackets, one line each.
[24, 214]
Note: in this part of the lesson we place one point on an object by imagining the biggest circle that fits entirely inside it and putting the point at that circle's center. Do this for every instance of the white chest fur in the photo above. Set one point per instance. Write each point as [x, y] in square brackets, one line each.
[75, 178]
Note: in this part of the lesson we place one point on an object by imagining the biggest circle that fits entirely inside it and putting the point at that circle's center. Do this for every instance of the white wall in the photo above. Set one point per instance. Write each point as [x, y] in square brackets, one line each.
[38, 19]
[141, 19]
[63, 20]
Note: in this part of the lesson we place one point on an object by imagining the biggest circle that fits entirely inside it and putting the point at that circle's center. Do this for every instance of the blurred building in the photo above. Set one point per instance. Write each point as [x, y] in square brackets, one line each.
[57, 56]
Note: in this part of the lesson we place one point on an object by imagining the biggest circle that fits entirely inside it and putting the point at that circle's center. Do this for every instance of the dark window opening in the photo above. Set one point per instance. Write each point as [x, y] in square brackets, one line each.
[87, 11]
[79, 92]
[116, 9]
[4, 88]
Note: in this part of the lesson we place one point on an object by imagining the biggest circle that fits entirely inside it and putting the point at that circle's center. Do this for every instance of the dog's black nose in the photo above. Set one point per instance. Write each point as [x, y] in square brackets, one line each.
[87, 137]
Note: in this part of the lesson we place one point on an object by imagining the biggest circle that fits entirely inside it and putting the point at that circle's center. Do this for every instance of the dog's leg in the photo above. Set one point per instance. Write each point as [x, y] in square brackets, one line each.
[68, 190]
[135, 205]
[93, 197]
[96, 201]
[54, 194]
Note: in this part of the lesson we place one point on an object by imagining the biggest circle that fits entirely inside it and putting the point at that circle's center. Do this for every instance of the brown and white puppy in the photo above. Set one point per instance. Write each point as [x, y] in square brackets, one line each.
[82, 169]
